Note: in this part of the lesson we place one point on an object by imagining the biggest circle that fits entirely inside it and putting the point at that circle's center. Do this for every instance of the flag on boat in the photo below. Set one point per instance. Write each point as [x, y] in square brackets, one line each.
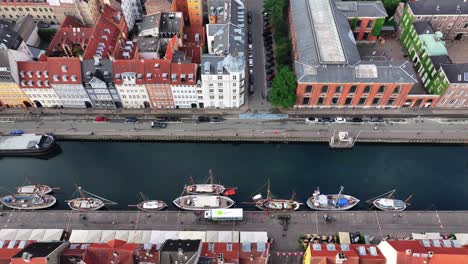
[229, 192]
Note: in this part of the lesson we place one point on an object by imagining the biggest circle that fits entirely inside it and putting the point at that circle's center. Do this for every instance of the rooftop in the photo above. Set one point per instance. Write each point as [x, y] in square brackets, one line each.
[437, 7]
[150, 22]
[354, 9]
[433, 44]
[423, 27]
[39, 249]
[456, 73]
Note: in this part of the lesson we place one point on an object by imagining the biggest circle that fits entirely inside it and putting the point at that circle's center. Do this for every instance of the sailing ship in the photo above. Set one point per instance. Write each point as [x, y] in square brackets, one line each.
[150, 205]
[29, 201]
[332, 202]
[34, 188]
[206, 188]
[88, 201]
[386, 202]
[198, 202]
[271, 204]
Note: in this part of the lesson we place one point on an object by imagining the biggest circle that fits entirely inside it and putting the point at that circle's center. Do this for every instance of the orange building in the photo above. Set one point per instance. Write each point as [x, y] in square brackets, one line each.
[10, 93]
[192, 10]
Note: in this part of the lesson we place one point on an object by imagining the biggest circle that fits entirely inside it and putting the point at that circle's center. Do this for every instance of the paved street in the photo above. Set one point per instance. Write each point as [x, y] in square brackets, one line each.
[257, 102]
[250, 129]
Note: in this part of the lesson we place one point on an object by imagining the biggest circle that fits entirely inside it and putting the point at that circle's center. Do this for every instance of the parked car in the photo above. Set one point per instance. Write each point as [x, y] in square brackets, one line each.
[270, 77]
[269, 71]
[356, 119]
[251, 79]
[174, 119]
[217, 119]
[250, 47]
[251, 89]
[162, 119]
[250, 54]
[340, 120]
[250, 71]
[158, 125]
[251, 62]
[203, 119]
[249, 17]
[311, 120]
[101, 119]
[376, 119]
[250, 37]
[325, 120]
[131, 119]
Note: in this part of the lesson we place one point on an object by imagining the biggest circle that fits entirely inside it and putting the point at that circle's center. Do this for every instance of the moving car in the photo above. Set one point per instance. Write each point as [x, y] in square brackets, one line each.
[101, 119]
[158, 125]
[249, 17]
[131, 119]
[311, 120]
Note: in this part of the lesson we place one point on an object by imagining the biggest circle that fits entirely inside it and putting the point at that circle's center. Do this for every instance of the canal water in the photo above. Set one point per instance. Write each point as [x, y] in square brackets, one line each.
[436, 175]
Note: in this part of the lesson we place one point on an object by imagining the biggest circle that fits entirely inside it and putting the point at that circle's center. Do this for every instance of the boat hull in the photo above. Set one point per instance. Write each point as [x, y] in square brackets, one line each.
[25, 202]
[381, 205]
[283, 205]
[160, 205]
[188, 202]
[353, 201]
[94, 204]
[47, 144]
[38, 188]
[205, 189]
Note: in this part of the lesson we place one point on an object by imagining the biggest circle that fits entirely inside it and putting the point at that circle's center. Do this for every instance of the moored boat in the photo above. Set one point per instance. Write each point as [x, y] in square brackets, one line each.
[149, 205]
[31, 201]
[389, 204]
[34, 188]
[203, 202]
[87, 201]
[205, 188]
[332, 202]
[19, 144]
[271, 204]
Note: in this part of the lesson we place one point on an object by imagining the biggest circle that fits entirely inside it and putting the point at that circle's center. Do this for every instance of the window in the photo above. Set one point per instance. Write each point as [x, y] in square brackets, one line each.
[353, 89]
[348, 101]
[220, 84]
[320, 101]
[220, 90]
[339, 89]
[220, 77]
[358, 24]
[397, 90]
[391, 101]
[367, 89]
[370, 24]
[362, 101]
[306, 100]
[375, 101]
[308, 89]
[381, 89]
[234, 77]
[335, 100]
[324, 88]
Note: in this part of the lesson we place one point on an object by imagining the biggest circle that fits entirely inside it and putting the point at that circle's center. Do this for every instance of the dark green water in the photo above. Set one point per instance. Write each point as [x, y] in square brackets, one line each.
[436, 175]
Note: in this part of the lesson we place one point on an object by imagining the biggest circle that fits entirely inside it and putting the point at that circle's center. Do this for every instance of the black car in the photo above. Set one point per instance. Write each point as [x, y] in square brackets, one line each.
[270, 59]
[203, 119]
[173, 119]
[325, 120]
[217, 119]
[270, 71]
[131, 119]
[251, 80]
[376, 119]
[158, 125]
[356, 119]
[250, 37]
[249, 17]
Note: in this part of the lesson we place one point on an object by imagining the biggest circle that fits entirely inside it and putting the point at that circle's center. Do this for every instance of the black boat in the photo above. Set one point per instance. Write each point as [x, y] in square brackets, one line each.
[26, 144]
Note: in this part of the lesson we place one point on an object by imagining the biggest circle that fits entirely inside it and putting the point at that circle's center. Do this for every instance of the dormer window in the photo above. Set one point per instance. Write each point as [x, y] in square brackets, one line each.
[156, 65]
[148, 75]
[64, 68]
[164, 75]
[140, 76]
[46, 83]
[65, 78]
[174, 77]
[56, 77]
[73, 78]
[22, 74]
[30, 74]
[23, 83]
[117, 76]
[38, 73]
[39, 83]
[46, 74]
[190, 76]
[30, 83]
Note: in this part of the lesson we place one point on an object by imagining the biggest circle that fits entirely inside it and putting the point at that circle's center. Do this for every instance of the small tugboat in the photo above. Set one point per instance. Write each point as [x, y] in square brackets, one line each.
[270, 204]
[150, 205]
[19, 144]
[332, 202]
[88, 201]
[198, 202]
[31, 201]
[34, 188]
[385, 202]
[206, 188]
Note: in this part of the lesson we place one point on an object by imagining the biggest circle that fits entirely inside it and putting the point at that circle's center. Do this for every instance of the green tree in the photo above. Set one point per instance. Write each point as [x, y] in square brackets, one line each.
[46, 34]
[282, 93]
[391, 6]
[283, 51]
[275, 8]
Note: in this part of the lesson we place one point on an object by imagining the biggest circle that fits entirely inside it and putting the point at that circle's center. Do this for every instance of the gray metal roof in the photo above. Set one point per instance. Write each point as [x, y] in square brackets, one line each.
[9, 39]
[25, 26]
[439, 60]
[439, 7]
[423, 27]
[310, 68]
[361, 8]
[97, 70]
[150, 22]
[170, 22]
[148, 44]
[4, 60]
[456, 73]
[210, 64]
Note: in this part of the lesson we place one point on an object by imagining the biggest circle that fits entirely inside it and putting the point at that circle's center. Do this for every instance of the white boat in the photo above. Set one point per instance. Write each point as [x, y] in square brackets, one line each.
[150, 205]
[198, 202]
[389, 204]
[271, 204]
[30, 201]
[34, 188]
[87, 201]
[332, 202]
[205, 188]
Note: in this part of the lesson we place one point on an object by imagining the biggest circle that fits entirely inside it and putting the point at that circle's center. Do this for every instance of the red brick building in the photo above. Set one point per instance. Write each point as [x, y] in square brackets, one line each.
[158, 86]
[192, 10]
[343, 253]
[329, 69]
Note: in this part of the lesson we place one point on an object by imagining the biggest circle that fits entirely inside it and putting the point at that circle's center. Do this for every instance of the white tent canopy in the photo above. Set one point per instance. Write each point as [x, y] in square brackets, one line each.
[253, 237]
[40, 235]
[420, 236]
[463, 238]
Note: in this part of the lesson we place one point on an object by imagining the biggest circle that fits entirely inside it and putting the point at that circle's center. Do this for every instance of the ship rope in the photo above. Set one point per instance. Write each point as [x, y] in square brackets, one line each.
[102, 198]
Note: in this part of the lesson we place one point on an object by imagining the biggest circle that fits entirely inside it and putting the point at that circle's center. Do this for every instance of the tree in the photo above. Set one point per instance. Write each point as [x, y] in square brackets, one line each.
[46, 34]
[274, 8]
[391, 6]
[283, 88]
[283, 51]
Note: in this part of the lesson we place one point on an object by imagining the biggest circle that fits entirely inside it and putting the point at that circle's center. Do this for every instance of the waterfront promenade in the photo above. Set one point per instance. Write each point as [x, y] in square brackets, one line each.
[234, 129]
[376, 224]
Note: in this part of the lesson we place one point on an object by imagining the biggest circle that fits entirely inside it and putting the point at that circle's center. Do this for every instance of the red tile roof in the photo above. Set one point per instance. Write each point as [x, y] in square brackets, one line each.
[69, 36]
[186, 70]
[254, 256]
[422, 254]
[33, 74]
[171, 47]
[117, 251]
[368, 258]
[212, 251]
[6, 253]
[123, 66]
[56, 69]
[190, 32]
[192, 53]
[157, 68]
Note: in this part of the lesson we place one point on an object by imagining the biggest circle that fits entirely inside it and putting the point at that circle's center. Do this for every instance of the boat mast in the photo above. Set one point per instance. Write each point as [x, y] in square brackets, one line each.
[268, 190]
[387, 194]
[408, 199]
[293, 195]
[81, 192]
[338, 196]
[210, 172]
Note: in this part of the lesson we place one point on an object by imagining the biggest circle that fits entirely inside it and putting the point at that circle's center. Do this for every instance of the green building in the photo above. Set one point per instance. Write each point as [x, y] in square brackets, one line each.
[427, 50]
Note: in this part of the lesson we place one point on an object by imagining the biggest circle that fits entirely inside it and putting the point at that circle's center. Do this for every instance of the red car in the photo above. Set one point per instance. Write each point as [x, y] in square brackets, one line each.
[100, 119]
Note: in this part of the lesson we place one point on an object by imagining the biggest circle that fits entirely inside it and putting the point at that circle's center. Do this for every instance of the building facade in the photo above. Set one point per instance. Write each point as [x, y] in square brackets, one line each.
[99, 83]
[65, 77]
[449, 17]
[158, 84]
[34, 81]
[456, 94]
[129, 78]
[184, 85]
[192, 9]
[132, 11]
[11, 94]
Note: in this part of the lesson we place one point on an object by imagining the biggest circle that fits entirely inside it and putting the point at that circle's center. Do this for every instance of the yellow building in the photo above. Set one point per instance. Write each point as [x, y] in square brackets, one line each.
[10, 93]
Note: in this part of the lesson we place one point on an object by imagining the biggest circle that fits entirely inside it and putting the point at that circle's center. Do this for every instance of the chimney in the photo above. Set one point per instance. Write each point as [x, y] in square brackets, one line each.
[180, 252]
[408, 252]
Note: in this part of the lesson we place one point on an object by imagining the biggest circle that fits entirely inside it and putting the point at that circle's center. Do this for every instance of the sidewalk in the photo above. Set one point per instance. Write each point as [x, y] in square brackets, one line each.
[401, 112]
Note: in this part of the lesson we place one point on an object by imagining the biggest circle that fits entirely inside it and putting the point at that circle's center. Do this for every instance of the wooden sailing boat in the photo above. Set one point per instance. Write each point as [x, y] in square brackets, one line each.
[197, 202]
[88, 201]
[28, 201]
[270, 204]
[206, 188]
[150, 205]
[385, 202]
[332, 202]
[29, 188]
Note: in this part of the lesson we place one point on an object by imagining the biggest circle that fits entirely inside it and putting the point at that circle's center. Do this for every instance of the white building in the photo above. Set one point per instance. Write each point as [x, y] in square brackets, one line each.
[223, 81]
[133, 95]
[132, 12]
[185, 96]
[42, 97]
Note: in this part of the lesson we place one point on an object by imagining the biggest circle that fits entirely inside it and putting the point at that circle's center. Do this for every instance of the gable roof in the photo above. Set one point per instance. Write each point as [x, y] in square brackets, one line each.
[438, 7]
[352, 9]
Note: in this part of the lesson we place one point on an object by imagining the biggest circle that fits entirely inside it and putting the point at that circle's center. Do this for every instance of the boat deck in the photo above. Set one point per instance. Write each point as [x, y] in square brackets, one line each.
[200, 202]
[25, 141]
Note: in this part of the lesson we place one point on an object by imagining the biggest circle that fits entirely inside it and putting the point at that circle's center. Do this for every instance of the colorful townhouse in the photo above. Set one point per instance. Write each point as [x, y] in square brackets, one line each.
[11, 95]
[158, 84]
[343, 254]
[130, 80]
